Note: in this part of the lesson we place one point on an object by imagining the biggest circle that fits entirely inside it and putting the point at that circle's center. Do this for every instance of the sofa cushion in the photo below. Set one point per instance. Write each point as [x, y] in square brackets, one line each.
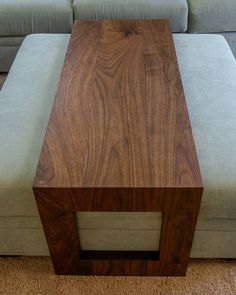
[26, 100]
[231, 39]
[32, 242]
[22, 17]
[212, 15]
[208, 70]
[28, 238]
[117, 221]
[8, 50]
[25, 103]
[175, 10]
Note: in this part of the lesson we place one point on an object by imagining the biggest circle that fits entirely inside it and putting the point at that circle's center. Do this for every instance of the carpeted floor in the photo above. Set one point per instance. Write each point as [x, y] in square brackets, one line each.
[33, 276]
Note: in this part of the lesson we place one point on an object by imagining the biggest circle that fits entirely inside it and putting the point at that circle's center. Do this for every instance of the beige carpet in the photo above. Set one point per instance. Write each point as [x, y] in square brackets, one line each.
[35, 276]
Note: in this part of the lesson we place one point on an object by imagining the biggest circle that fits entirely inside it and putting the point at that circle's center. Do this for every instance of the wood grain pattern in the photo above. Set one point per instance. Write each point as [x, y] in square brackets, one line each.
[119, 139]
[119, 118]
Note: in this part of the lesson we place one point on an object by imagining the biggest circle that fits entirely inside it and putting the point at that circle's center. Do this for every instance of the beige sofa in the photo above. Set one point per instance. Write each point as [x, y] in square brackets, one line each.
[18, 18]
[208, 71]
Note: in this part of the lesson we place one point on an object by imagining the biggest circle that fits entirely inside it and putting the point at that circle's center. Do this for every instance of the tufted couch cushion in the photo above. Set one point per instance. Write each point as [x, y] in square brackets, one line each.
[23, 17]
[175, 10]
[212, 16]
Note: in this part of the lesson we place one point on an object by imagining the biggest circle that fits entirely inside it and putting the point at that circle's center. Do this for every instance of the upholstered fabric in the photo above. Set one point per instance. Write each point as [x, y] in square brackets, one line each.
[8, 49]
[7, 55]
[117, 221]
[27, 96]
[175, 10]
[23, 241]
[10, 45]
[32, 242]
[208, 70]
[22, 17]
[11, 41]
[25, 104]
[212, 15]
[24, 235]
[231, 39]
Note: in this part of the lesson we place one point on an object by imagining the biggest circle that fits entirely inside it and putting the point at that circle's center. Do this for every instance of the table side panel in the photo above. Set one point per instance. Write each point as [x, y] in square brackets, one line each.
[179, 209]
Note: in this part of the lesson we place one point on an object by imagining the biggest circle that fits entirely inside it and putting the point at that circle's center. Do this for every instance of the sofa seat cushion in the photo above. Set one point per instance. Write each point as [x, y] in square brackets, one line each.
[25, 236]
[175, 10]
[22, 17]
[117, 221]
[208, 70]
[231, 39]
[212, 15]
[8, 50]
[26, 100]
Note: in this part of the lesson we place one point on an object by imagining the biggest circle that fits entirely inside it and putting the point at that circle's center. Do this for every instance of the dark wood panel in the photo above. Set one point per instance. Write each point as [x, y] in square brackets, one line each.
[125, 255]
[119, 139]
[179, 208]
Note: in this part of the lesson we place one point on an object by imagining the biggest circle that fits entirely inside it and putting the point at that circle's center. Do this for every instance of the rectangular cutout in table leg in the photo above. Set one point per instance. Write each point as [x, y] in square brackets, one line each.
[119, 231]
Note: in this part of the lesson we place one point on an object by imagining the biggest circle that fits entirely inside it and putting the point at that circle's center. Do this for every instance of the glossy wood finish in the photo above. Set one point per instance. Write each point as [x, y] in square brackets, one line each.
[119, 139]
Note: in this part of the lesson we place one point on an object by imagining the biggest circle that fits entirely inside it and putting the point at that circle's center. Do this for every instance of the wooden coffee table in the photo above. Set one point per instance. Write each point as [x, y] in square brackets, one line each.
[119, 139]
